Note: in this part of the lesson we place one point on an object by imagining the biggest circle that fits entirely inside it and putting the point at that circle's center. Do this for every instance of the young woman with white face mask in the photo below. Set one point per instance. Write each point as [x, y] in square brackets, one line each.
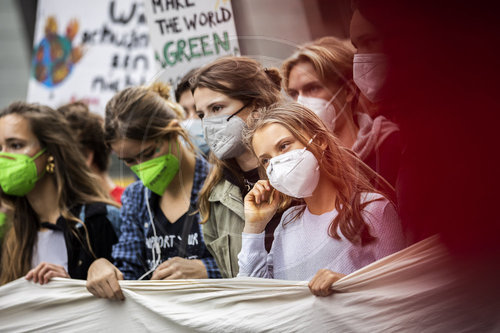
[343, 223]
[226, 91]
[319, 75]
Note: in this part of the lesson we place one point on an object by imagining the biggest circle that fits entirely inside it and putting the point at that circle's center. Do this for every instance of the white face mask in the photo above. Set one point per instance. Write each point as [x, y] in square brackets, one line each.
[325, 110]
[294, 173]
[224, 135]
[369, 74]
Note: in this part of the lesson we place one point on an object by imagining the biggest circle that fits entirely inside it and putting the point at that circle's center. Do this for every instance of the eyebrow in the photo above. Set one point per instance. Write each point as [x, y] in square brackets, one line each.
[212, 104]
[315, 82]
[14, 139]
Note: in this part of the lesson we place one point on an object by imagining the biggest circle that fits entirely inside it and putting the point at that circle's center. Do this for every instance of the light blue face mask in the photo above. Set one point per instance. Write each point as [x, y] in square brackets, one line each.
[195, 130]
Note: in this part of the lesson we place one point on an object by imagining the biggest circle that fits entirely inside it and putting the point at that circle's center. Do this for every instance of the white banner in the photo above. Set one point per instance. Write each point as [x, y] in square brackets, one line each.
[190, 33]
[88, 50]
[410, 291]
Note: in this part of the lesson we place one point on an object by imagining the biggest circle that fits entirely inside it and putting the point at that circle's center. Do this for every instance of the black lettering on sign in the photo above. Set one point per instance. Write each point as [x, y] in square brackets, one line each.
[166, 5]
[102, 84]
[128, 61]
[210, 18]
[129, 40]
[123, 19]
[168, 25]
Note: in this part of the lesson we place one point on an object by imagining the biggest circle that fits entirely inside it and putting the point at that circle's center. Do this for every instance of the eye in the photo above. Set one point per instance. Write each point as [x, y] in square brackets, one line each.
[149, 153]
[284, 146]
[128, 162]
[311, 90]
[264, 161]
[216, 108]
[293, 94]
[200, 114]
[16, 145]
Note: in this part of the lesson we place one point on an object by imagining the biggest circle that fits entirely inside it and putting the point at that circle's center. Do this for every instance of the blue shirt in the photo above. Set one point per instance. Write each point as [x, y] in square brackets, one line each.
[129, 253]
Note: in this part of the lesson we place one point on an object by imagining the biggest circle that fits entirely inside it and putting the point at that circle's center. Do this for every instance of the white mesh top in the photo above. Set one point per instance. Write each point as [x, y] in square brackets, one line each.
[50, 247]
[303, 246]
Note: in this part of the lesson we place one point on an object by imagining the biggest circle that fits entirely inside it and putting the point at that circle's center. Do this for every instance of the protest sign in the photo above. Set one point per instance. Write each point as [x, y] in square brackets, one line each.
[89, 50]
[186, 34]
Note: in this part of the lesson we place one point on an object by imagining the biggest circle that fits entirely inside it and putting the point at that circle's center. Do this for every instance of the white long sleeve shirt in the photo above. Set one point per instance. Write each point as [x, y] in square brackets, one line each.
[302, 247]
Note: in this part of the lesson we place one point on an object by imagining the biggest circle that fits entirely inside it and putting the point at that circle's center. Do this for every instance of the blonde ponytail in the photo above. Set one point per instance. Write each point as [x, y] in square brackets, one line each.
[163, 90]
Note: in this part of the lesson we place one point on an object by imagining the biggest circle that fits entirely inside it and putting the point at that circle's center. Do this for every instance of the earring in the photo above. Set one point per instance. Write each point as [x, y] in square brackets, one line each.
[51, 166]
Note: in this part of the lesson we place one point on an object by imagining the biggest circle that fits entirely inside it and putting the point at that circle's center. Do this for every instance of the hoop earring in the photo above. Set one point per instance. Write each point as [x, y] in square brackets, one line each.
[51, 166]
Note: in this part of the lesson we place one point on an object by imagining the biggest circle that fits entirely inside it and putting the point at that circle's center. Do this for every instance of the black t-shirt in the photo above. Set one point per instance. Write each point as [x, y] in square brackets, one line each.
[179, 239]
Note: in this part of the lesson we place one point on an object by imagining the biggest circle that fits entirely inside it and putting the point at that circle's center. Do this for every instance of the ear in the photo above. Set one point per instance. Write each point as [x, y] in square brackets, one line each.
[89, 158]
[322, 143]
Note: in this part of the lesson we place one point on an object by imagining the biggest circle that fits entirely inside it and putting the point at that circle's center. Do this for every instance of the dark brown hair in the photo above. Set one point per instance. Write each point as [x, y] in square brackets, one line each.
[184, 84]
[88, 129]
[243, 79]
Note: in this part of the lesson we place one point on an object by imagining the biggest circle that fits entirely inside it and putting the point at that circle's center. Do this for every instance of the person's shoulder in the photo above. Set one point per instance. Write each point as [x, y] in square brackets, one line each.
[134, 193]
[92, 209]
[376, 205]
[392, 140]
[374, 199]
[94, 213]
[223, 188]
[201, 164]
[134, 188]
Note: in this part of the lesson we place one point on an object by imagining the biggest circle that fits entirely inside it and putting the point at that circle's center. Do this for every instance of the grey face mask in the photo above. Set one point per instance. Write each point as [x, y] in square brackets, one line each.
[224, 135]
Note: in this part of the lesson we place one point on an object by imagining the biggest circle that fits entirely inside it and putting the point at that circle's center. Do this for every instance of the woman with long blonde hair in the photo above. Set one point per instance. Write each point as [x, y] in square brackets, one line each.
[343, 224]
[226, 91]
[59, 224]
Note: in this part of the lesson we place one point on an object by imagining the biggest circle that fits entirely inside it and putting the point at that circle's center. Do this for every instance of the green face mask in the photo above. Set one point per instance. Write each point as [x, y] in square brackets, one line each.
[158, 172]
[18, 173]
[3, 219]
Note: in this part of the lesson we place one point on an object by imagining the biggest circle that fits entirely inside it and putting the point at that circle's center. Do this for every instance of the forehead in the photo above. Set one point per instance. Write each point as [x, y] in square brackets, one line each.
[361, 27]
[266, 137]
[301, 74]
[186, 97]
[15, 126]
[204, 97]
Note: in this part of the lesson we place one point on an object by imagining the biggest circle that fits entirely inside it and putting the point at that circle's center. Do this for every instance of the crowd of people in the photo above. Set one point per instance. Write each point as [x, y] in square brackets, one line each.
[301, 173]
